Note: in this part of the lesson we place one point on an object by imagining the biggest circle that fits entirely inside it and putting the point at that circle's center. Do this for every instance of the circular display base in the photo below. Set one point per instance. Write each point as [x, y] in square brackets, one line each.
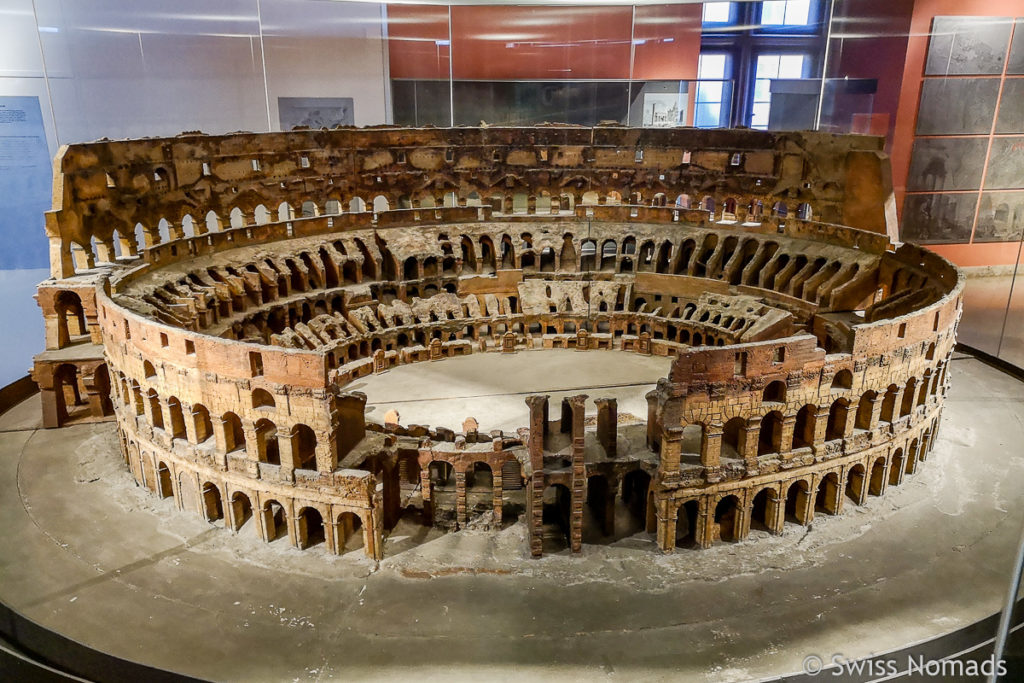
[98, 559]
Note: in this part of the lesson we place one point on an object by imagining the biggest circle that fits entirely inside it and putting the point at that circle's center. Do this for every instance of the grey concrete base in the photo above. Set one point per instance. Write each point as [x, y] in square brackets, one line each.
[89, 554]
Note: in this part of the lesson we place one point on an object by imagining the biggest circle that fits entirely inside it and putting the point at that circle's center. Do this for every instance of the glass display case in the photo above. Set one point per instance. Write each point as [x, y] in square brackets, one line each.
[941, 82]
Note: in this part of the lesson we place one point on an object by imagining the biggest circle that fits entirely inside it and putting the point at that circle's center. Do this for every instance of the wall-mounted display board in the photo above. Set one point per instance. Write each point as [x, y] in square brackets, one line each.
[968, 155]
[25, 182]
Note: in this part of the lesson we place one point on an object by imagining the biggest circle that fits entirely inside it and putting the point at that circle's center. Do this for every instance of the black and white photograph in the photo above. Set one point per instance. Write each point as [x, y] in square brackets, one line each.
[939, 164]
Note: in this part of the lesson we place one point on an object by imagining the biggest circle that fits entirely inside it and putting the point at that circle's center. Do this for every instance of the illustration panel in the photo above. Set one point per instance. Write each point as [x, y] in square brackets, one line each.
[1000, 217]
[1011, 106]
[1005, 164]
[664, 110]
[938, 218]
[968, 45]
[315, 112]
[947, 164]
[957, 106]
[1015, 64]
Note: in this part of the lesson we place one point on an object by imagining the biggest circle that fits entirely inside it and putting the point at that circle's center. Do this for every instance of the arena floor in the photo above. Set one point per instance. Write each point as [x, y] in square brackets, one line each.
[89, 554]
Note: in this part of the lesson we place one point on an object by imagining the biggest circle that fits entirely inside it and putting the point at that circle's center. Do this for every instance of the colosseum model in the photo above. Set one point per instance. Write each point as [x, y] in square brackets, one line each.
[216, 296]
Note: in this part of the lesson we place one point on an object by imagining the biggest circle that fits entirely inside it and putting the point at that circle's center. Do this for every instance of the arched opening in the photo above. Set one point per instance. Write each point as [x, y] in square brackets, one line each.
[165, 487]
[275, 520]
[609, 252]
[803, 428]
[555, 518]
[888, 413]
[599, 512]
[842, 380]
[177, 426]
[479, 477]
[733, 435]
[727, 518]
[827, 497]
[635, 487]
[908, 397]
[877, 477]
[266, 442]
[686, 524]
[911, 457]
[261, 398]
[311, 528]
[202, 423]
[797, 498]
[775, 392]
[156, 412]
[759, 510]
[380, 204]
[350, 536]
[101, 384]
[212, 506]
[547, 260]
[837, 417]
[855, 481]
[241, 510]
[70, 317]
[896, 468]
[234, 435]
[304, 447]
[865, 407]
[769, 439]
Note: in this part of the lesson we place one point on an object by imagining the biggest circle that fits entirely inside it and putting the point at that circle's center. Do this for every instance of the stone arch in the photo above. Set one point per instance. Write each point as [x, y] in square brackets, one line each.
[310, 527]
[275, 520]
[304, 447]
[769, 438]
[838, 414]
[350, 536]
[234, 434]
[727, 517]
[268, 449]
[213, 507]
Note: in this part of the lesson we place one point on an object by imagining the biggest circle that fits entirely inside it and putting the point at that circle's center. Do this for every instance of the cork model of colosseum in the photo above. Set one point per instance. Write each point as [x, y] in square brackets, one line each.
[217, 295]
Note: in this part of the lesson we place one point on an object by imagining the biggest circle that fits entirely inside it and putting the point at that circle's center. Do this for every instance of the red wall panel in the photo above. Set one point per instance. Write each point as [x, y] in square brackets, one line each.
[418, 41]
[667, 41]
[500, 42]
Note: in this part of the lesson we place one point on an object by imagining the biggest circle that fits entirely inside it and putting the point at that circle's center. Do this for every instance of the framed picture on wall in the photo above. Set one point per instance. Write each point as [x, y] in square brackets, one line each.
[315, 112]
[664, 110]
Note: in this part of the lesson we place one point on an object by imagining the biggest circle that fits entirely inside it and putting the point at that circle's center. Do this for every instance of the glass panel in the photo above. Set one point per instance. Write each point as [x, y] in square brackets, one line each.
[115, 72]
[717, 12]
[325, 66]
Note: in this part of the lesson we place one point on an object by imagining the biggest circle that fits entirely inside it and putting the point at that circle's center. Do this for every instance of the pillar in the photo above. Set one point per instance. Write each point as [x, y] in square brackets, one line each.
[426, 490]
[705, 518]
[497, 495]
[666, 525]
[461, 513]
[607, 425]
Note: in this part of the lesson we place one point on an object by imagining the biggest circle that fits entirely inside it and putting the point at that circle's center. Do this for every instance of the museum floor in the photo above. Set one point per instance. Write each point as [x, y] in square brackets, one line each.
[92, 556]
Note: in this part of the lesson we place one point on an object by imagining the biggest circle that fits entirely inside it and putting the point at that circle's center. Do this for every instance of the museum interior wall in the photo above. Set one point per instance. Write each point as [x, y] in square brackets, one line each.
[101, 68]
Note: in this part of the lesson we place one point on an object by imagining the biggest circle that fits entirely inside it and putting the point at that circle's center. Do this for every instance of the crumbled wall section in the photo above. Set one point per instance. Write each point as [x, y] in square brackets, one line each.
[215, 294]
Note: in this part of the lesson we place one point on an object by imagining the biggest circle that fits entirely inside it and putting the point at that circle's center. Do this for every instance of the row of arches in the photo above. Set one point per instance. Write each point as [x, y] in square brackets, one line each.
[812, 425]
[730, 516]
[272, 521]
[259, 439]
[129, 244]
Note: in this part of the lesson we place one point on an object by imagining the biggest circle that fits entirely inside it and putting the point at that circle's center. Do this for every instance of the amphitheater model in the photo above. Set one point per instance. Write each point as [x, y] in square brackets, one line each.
[215, 295]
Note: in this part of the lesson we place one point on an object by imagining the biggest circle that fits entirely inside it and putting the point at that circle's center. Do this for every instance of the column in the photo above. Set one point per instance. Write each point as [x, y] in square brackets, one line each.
[426, 489]
[666, 525]
[461, 514]
[497, 495]
[705, 518]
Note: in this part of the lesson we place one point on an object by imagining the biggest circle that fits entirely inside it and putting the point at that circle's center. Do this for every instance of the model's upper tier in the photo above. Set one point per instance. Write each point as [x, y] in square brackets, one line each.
[115, 198]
